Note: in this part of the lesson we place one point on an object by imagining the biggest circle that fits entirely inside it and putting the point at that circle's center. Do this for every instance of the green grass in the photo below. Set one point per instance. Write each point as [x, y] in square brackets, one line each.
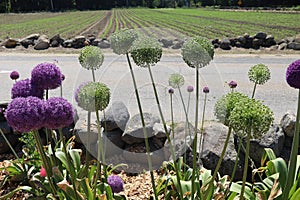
[160, 22]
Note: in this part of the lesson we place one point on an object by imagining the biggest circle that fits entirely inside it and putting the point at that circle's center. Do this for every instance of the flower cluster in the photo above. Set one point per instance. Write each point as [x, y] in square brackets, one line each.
[46, 76]
[93, 96]
[190, 88]
[205, 90]
[176, 80]
[25, 88]
[226, 104]
[91, 57]
[14, 75]
[121, 41]
[251, 116]
[146, 51]
[116, 183]
[293, 74]
[259, 74]
[32, 113]
[197, 52]
[232, 84]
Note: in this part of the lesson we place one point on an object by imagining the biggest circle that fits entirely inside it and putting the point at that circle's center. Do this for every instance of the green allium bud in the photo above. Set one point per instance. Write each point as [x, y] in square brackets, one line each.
[146, 51]
[122, 40]
[93, 96]
[197, 52]
[176, 80]
[91, 57]
[250, 116]
[259, 74]
[226, 104]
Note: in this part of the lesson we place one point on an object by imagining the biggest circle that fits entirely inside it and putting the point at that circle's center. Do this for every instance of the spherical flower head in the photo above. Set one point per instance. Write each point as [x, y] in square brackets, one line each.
[93, 96]
[197, 52]
[250, 116]
[46, 76]
[226, 104]
[14, 75]
[25, 88]
[232, 84]
[176, 80]
[116, 183]
[293, 74]
[121, 41]
[146, 51]
[259, 74]
[190, 88]
[59, 113]
[43, 172]
[26, 114]
[206, 90]
[171, 91]
[91, 57]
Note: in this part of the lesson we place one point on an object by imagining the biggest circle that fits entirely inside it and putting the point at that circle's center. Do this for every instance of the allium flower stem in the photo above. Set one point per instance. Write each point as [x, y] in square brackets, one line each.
[293, 156]
[208, 195]
[61, 91]
[69, 164]
[8, 143]
[195, 134]
[44, 160]
[87, 153]
[246, 165]
[202, 125]
[93, 73]
[166, 131]
[144, 128]
[172, 115]
[254, 89]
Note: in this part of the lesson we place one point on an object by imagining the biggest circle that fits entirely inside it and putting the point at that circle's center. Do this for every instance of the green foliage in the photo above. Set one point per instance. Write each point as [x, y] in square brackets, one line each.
[176, 80]
[259, 74]
[94, 96]
[146, 51]
[250, 116]
[91, 57]
[226, 104]
[197, 52]
[121, 41]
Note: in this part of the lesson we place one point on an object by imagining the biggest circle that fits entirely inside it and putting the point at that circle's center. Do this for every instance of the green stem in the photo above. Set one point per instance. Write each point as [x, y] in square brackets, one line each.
[70, 167]
[255, 84]
[172, 116]
[88, 146]
[245, 166]
[46, 164]
[202, 125]
[293, 156]
[61, 91]
[208, 195]
[8, 143]
[93, 74]
[144, 128]
[196, 135]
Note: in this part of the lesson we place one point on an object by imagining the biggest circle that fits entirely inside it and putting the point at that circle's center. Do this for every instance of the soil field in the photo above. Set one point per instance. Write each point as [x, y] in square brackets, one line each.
[177, 23]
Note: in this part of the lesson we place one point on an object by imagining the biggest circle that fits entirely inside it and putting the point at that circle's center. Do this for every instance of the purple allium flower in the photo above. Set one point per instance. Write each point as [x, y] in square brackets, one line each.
[190, 88]
[116, 183]
[171, 91]
[78, 90]
[293, 74]
[25, 88]
[59, 113]
[14, 75]
[232, 84]
[206, 89]
[46, 76]
[26, 114]
[63, 77]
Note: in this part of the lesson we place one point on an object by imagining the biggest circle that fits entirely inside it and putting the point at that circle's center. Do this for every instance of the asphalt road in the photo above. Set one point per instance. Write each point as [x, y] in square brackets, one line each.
[115, 73]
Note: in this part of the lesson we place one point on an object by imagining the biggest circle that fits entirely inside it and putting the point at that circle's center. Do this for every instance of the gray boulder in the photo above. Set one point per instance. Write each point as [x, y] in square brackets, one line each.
[282, 46]
[166, 42]
[269, 41]
[159, 130]
[215, 134]
[287, 123]
[294, 46]
[13, 140]
[67, 43]
[95, 42]
[273, 139]
[116, 117]
[33, 36]
[42, 43]
[26, 43]
[177, 44]
[257, 43]
[104, 44]
[56, 40]
[134, 130]
[78, 42]
[225, 44]
[83, 137]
